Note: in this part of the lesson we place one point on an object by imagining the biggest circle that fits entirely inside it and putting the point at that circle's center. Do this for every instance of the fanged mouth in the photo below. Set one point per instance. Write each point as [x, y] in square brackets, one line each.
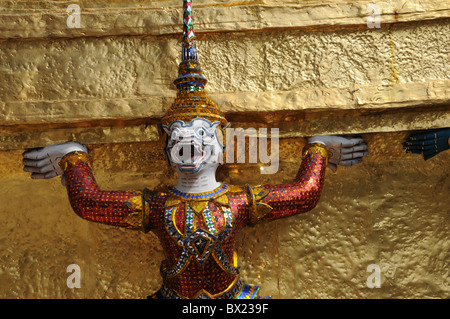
[193, 159]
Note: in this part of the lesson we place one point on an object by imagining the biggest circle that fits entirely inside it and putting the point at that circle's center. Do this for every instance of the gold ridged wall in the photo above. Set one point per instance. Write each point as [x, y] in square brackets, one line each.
[305, 68]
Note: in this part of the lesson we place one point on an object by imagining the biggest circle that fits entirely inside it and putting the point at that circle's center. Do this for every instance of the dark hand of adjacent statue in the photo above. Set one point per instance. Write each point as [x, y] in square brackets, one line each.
[429, 144]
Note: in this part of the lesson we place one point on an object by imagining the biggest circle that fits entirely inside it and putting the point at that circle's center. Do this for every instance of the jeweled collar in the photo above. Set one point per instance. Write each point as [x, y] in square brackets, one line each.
[198, 201]
[217, 192]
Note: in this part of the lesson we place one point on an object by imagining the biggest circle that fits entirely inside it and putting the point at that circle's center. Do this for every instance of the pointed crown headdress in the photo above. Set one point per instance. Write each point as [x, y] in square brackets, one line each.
[191, 101]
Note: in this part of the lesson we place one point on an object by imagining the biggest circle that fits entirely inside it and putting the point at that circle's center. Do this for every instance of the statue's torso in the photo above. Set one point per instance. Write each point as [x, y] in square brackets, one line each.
[197, 231]
[198, 237]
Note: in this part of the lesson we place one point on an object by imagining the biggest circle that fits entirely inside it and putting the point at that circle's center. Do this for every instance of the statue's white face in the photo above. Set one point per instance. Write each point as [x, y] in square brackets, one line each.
[192, 146]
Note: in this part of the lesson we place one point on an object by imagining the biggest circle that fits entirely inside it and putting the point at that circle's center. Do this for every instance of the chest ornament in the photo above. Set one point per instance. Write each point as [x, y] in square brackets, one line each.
[199, 243]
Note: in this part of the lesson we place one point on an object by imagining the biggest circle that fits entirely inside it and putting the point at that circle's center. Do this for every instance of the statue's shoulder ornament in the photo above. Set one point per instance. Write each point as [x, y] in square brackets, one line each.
[257, 209]
[142, 204]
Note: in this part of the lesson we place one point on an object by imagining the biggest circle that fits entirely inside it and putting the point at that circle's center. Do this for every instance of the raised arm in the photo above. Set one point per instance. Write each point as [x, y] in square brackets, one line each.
[117, 208]
[269, 202]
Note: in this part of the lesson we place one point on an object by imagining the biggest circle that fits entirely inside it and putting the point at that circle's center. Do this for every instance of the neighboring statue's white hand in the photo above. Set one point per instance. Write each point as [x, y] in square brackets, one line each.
[43, 162]
[344, 151]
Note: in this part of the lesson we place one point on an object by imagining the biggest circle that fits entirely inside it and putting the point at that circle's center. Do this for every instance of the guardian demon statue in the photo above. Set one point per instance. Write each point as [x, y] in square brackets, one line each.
[196, 220]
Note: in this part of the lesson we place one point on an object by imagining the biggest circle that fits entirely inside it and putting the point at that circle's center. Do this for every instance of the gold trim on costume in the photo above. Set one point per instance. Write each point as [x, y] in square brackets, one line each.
[140, 218]
[233, 189]
[172, 201]
[218, 294]
[72, 158]
[313, 148]
[257, 209]
[198, 207]
[236, 283]
[222, 200]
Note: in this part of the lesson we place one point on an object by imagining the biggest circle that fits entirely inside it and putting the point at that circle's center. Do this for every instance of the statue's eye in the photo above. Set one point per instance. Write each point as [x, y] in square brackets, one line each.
[201, 132]
[175, 135]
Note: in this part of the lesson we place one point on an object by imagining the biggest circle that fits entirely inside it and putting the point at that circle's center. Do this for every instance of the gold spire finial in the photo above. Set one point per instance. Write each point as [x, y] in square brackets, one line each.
[191, 101]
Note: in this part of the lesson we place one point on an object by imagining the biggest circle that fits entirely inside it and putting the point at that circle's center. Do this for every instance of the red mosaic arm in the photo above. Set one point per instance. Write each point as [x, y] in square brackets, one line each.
[116, 208]
[269, 202]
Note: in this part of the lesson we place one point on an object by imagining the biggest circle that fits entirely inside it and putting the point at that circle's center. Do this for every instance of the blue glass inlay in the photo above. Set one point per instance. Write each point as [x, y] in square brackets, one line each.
[190, 83]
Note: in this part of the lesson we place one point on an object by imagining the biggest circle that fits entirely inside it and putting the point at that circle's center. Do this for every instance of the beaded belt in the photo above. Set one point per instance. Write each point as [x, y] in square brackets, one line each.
[237, 290]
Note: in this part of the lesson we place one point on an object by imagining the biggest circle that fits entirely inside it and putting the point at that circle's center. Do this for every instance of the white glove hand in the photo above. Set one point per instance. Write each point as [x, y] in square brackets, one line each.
[43, 162]
[344, 151]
